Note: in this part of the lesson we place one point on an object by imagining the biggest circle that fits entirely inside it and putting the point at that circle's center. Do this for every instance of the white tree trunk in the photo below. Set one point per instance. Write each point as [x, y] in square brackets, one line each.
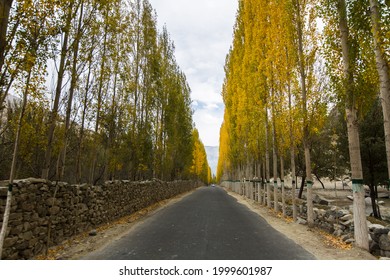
[274, 159]
[360, 223]
[267, 162]
[309, 186]
[282, 186]
[359, 206]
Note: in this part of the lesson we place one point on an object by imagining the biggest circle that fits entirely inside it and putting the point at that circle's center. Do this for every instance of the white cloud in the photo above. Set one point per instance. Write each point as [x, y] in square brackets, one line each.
[202, 33]
[208, 123]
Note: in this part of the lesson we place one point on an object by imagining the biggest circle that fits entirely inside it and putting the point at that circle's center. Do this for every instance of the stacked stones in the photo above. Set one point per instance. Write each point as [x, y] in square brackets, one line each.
[379, 240]
[68, 210]
[339, 222]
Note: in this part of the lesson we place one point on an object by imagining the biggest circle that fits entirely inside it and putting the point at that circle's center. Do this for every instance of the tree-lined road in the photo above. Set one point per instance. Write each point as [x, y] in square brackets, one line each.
[208, 224]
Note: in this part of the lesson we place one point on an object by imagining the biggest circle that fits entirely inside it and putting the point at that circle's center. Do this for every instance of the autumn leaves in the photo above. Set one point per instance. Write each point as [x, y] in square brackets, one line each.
[290, 63]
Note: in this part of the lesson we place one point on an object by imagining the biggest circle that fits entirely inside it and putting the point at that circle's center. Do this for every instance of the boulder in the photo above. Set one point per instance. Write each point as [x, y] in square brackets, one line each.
[301, 221]
[374, 247]
[385, 253]
[342, 213]
[350, 241]
[372, 227]
[346, 237]
[347, 223]
[378, 232]
[331, 219]
[346, 217]
[321, 200]
[384, 242]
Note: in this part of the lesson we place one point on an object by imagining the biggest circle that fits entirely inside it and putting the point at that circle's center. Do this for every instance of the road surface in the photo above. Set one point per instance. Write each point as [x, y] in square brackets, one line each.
[208, 224]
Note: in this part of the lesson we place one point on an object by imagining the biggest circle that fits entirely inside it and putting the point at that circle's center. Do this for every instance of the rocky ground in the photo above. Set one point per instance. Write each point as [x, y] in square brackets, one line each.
[323, 246]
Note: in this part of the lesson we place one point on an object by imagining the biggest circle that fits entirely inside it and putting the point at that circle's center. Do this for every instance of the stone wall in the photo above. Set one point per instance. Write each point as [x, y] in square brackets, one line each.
[72, 209]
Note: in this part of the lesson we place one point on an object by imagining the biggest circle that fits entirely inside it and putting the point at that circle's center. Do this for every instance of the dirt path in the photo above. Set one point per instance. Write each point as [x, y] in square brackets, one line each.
[321, 245]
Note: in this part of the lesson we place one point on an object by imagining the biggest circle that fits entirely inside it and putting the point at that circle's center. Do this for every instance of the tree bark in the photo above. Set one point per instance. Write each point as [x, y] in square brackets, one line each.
[292, 153]
[267, 169]
[274, 156]
[302, 72]
[282, 186]
[359, 209]
[302, 186]
[5, 7]
[319, 180]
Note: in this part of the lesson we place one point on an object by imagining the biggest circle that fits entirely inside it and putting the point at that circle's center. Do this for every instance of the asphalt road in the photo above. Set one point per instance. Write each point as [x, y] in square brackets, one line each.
[206, 225]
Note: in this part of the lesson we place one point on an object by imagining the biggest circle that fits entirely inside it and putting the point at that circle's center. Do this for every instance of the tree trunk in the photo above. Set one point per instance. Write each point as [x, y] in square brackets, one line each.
[302, 186]
[309, 187]
[282, 185]
[373, 201]
[319, 180]
[7, 211]
[99, 103]
[5, 7]
[54, 112]
[292, 154]
[359, 209]
[264, 183]
[310, 211]
[274, 157]
[384, 77]
[85, 105]
[73, 83]
[267, 169]
[377, 206]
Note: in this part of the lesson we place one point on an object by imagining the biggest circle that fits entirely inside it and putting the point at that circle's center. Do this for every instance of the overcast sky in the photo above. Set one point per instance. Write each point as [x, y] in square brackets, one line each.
[202, 32]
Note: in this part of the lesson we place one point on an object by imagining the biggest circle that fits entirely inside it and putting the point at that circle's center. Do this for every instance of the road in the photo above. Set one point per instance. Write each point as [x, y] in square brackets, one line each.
[208, 224]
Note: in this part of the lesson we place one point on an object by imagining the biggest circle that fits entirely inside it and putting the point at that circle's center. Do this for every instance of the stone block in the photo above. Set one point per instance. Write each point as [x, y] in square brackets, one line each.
[32, 242]
[16, 230]
[384, 242]
[22, 245]
[28, 207]
[26, 235]
[347, 217]
[10, 241]
[16, 217]
[54, 210]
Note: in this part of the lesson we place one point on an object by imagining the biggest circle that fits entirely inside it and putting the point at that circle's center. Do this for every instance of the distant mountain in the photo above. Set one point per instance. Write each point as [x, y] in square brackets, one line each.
[212, 157]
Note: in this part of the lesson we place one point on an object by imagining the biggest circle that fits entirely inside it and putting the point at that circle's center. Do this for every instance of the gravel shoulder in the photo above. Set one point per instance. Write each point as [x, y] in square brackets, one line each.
[321, 245]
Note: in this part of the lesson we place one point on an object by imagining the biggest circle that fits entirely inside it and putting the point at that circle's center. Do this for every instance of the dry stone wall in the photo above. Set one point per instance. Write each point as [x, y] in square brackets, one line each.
[68, 210]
